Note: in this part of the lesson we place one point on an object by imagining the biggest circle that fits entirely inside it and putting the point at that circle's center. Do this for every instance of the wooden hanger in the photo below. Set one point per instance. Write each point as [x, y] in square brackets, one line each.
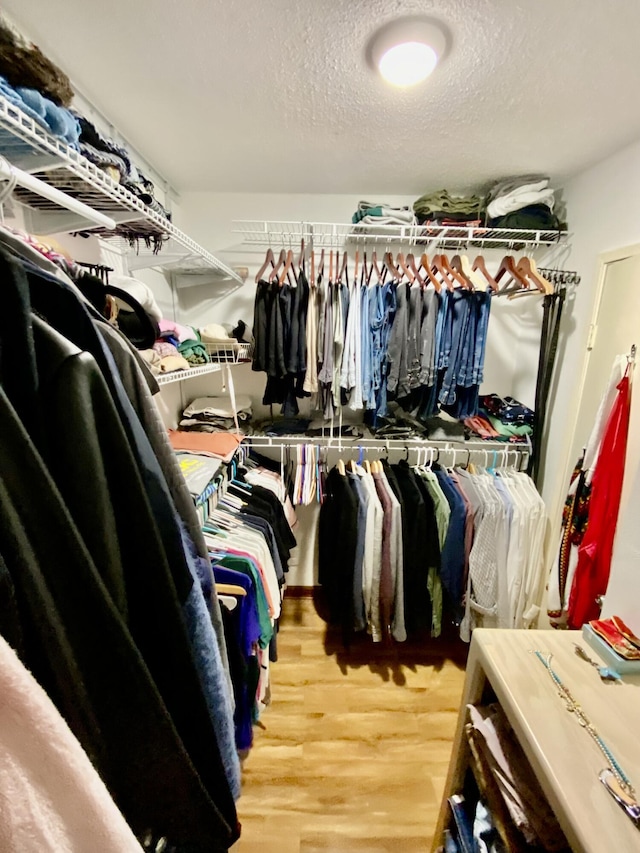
[367, 466]
[508, 266]
[528, 268]
[458, 266]
[230, 589]
[341, 468]
[268, 259]
[405, 269]
[479, 264]
[455, 275]
[439, 264]
[321, 264]
[352, 466]
[375, 268]
[411, 263]
[425, 264]
[343, 267]
[281, 259]
[331, 266]
[388, 262]
[287, 267]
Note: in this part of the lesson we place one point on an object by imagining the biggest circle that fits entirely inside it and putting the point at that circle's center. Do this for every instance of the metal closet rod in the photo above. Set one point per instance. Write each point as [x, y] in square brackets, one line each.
[18, 177]
[491, 455]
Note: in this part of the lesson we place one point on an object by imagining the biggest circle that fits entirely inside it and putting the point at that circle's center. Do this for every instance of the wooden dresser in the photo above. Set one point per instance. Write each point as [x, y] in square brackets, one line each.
[563, 756]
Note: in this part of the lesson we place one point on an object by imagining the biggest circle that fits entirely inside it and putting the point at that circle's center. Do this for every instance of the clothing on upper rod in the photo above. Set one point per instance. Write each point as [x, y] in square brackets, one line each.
[379, 338]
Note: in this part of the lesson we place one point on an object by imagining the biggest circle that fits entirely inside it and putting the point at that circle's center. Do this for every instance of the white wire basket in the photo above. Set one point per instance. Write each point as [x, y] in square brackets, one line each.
[231, 352]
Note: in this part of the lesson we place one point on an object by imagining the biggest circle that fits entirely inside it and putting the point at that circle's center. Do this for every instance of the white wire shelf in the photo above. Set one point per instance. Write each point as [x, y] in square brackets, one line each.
[332, 235]
[221, 354]
[29, 146]
[192, 373]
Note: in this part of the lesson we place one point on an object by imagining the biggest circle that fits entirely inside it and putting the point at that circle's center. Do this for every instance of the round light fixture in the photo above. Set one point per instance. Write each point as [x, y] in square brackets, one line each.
[407, 51]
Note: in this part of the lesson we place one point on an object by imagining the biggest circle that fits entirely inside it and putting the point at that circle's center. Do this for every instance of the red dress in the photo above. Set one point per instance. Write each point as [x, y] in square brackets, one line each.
[594, 555]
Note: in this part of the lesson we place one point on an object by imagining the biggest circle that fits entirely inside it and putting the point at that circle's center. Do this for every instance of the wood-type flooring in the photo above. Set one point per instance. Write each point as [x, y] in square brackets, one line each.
[352, 754]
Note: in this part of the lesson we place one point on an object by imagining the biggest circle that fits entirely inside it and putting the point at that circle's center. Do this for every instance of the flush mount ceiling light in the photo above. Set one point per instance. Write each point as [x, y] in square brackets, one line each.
[406, 51]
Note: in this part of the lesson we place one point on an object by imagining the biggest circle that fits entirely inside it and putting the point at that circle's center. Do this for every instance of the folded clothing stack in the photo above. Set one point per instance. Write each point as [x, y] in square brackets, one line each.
[114, 160]
[526, 202]
[501, 419]
[379, 213]
[215, 414]
[219, 445]
[57, 120]
[441, 208]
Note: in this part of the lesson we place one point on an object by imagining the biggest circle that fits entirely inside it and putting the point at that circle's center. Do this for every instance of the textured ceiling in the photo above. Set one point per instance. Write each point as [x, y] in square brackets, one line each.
[276, 96]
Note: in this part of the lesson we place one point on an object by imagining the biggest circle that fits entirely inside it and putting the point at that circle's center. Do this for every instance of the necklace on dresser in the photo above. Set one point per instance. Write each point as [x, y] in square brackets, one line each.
[613, 777]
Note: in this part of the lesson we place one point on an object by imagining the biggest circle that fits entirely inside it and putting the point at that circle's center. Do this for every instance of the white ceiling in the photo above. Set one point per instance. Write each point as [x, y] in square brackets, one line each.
[276, 95]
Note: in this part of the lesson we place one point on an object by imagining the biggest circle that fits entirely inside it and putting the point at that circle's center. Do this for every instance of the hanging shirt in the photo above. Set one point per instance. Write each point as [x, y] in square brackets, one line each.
[373, 543]
[398, 630]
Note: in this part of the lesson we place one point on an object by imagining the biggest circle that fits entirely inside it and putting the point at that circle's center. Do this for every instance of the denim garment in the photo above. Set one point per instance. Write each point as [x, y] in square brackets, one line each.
[430, 305]
[367, 353]
[465, 369]
[484, 300]
[376, 320]
[206, 657]
[416, 307]
[452, 556]
[443, 330]
[345, 298]
[459, 316]
[389, 310]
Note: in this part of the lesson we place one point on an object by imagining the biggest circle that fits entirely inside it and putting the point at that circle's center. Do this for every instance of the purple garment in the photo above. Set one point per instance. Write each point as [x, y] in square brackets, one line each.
[247, 605]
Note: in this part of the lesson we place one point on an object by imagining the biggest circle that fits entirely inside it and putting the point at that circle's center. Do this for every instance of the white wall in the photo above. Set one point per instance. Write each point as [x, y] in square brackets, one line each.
[604, 214]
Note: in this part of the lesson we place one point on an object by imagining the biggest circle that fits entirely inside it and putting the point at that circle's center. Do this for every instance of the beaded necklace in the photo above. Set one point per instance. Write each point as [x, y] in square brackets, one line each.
[585, 722]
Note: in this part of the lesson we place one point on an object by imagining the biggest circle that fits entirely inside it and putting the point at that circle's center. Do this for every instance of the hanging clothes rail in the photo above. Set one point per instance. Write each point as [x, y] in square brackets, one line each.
[17, 177]
[490, 453]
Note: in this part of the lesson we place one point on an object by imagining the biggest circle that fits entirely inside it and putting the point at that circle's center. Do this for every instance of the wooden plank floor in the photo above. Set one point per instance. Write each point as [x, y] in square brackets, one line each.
[353, 751]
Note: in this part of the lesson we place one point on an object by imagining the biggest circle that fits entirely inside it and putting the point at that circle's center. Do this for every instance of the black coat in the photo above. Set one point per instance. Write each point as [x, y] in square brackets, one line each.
[100, 585]
[337, 539]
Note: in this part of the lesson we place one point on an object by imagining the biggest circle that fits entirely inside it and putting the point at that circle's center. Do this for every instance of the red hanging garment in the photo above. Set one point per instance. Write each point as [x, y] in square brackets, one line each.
[594, 555]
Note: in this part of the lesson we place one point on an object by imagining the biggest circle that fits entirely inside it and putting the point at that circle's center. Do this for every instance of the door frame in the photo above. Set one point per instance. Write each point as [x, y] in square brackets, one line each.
[604, 260]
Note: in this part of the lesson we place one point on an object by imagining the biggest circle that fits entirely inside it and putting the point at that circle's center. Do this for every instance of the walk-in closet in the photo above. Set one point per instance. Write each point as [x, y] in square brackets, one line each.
[319, 454]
